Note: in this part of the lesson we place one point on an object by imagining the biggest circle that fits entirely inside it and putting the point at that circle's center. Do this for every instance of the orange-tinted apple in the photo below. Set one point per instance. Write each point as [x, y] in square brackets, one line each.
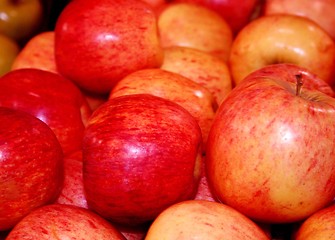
[8, 51]
[99, 42]
[295, 40]
[200, 219]
[196, 99]
[38, 52]
[194, 26]
[201, 67]
[320, 11]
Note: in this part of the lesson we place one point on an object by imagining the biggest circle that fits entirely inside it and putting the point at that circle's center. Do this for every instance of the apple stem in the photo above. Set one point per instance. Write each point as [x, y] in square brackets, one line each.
[299, 84]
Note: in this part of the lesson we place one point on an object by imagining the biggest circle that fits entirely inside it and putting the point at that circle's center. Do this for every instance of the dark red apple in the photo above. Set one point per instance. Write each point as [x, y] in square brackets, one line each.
[59, 221]
[99, 42]
[31, 166]
[50, 97]
[141, 154]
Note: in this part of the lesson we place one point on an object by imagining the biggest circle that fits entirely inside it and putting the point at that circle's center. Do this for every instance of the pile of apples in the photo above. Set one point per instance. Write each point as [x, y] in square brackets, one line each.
[180, 119]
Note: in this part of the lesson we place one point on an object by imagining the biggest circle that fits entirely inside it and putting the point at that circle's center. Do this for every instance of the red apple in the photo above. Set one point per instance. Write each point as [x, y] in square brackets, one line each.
[51, 98]
[199, 219]
[31, 166]
[38, 52]
[99, 42]
[8, 52]
[295, 40]
[201, 67]
[194, 26]
[141, 154]
[72, 192]
[320, 11]
[236, 13]
[195, 98]
[318, 226]
[59, 221]
[270, 152]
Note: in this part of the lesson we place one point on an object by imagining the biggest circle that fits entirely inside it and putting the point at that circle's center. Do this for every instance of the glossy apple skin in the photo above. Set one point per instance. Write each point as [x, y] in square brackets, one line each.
[267, 147]
[236, 13]
[99, 42]
[195, 98]
[20, 20]
[38, 53]
[51, 98]
[72, 192]
[59, 221]
[295, 40]
[318, 226]
[31, 166]
[141, 154]
[199, 219]
[320, 11]
[8, 52]
[201, 67]
[194, 26]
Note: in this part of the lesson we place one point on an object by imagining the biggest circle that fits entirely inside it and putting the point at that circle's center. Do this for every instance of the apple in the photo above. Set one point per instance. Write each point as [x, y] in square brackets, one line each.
[318, 226]
[60, 221]
[194, 26]
[320, 11]
[200, 219]
[8, 52]
[295, 40]
[20, 20]
[99, 42]
[195, 98]
[38, 53]
[72, 192]
[270, 150]
[50, 97]
[141, 154]
[31, 166]
[201, 67]
[236, 13]
[204, 192]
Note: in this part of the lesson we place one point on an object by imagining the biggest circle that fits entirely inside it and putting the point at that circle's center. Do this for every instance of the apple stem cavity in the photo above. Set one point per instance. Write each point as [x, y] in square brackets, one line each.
[299, 84]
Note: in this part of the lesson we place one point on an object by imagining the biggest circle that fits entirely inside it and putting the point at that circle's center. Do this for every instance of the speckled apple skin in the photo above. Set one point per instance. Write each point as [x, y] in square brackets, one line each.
[270, 153]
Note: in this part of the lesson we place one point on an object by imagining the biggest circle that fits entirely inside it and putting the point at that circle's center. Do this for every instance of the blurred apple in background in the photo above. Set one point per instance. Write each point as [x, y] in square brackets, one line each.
[38, 52]
[201, 67]
[20, 20]
[199, 219]
[320, 11]
[295, 40]
[270, 152]
[141, 154]
[31, 166]
[195, 98]
[51, 98]
[8, 51]
[99, 42]
[236, 13]
[59, 221]
[194, 26]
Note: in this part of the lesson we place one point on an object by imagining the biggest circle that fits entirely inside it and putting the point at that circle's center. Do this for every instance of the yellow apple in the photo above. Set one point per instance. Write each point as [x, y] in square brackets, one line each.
[8, 52]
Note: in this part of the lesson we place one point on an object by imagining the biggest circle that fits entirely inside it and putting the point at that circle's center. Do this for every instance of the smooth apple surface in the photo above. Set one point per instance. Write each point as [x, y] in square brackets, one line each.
[50, 97]
[196, 99]
[236, 13]
[201, 67]
[200, 219]
[320, 11]
[141, 154]
[270, 151]
[295, 40]
[194, 26]
[8, 52]
[38, 53]
[99, 42]
[59, 221]
[31, 166]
